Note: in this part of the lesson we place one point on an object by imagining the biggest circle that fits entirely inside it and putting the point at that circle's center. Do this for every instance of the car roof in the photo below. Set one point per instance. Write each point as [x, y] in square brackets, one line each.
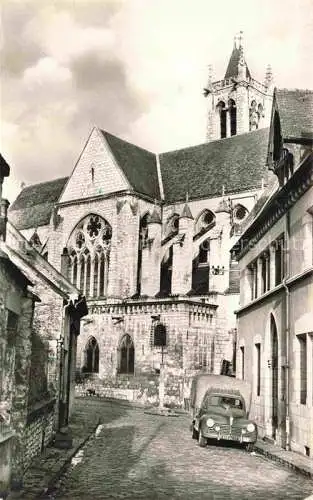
[223, 392]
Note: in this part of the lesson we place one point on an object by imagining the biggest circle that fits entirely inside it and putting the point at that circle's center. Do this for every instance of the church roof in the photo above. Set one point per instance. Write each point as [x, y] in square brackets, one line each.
[138, 164]
[232, 68]
[34, 204]
[236, 164]
[296, 112]
[229, 165]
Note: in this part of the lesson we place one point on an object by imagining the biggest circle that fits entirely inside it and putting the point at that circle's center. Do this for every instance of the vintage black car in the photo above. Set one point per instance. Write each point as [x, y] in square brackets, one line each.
[223, 413]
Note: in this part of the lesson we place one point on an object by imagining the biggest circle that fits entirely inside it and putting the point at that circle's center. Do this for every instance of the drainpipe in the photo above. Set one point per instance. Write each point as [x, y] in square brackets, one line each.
[287, 330]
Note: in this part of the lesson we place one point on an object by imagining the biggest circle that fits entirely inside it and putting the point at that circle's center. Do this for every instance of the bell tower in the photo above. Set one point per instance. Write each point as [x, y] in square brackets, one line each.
[238, 103]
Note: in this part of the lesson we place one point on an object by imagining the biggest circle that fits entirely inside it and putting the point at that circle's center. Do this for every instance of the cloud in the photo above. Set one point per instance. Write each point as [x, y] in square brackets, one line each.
[133, 67]
[47, 70]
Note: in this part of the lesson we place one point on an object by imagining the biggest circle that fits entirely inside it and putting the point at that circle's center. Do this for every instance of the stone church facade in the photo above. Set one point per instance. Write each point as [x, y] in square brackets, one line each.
[146, 238]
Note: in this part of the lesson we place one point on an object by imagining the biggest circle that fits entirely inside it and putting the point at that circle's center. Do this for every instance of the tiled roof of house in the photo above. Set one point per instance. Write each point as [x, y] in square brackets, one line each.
[138, 165]
[236, 163]
[296, 112]
[232, 68]
[34, 204]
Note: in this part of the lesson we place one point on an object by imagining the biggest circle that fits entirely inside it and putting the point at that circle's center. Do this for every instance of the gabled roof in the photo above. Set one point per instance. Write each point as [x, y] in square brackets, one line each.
[34, 204]
[296, 112]
[235, 164]
[232, 68]
[138, 165]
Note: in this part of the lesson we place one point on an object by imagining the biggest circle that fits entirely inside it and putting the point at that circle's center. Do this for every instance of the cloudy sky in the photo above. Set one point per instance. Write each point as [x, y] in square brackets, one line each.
[133, 67]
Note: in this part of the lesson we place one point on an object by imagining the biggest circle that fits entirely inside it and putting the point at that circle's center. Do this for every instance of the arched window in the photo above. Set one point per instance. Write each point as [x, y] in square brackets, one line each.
[254, 116]
[89, 250]
[232, 116]
[200, 269]
[126, 355]
[204, 251]
[221, 108]
[277, 138]
[204, 222]
[172, 225]
[91, 356]
[166, 273]
[143, 238]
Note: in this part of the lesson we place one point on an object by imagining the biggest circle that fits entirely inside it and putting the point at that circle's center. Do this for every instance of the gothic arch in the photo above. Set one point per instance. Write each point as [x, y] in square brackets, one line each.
[272, 375]
[232, 116]
[126, 355]
[91, 356]
[221, 109]
[255, 113]
[88, 248]
[172, 225]
[204, 221]
[277, 139]
[166, 271]
[143, 238]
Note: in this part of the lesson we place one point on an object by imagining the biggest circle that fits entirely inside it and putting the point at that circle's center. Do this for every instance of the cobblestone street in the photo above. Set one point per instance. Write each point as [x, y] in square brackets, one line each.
[140, 456]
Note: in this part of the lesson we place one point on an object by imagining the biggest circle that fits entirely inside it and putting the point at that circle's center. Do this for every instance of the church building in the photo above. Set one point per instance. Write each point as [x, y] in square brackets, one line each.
[146, 238]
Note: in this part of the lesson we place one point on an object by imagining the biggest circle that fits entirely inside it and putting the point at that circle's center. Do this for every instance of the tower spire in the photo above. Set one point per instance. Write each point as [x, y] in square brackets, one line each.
[240, 39]
[268, 76]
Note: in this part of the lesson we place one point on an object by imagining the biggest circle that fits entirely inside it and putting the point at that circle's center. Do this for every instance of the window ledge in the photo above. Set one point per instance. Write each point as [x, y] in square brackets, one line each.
[299, 276]
[261, 298]
[277, 288]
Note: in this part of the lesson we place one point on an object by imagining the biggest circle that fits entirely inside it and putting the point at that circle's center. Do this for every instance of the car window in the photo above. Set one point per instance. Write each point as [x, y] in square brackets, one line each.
[229, 402]
[223, 401]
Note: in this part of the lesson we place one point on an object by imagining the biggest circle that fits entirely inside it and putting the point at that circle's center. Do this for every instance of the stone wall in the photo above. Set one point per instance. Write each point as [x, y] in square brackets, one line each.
[143, 390]
[190, 328]
[38, 434]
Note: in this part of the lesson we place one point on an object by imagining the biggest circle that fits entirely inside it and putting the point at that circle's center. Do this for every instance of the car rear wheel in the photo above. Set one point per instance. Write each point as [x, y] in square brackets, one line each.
[202, 440]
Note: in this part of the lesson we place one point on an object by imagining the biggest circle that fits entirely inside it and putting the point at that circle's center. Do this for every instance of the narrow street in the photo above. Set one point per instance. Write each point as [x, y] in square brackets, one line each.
[140, 456]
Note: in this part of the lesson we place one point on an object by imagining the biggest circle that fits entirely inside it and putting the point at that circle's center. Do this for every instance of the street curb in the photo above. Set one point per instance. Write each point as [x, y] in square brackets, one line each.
[51, 484]
[283, 461]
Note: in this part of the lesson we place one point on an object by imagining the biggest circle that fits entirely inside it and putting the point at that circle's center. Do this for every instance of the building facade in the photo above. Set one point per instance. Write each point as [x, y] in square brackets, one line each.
[39, 320]
[275, 254]
[146, 237]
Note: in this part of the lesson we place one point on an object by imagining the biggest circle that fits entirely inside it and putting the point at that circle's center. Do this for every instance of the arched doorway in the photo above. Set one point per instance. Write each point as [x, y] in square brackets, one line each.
[126, 355]
[91, 356]
[274, 376]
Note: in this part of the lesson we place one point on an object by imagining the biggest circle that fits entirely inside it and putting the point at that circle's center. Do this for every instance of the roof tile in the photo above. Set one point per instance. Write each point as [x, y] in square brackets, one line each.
[231, 165]
[138, 165]
[296, 112]
[34, 204]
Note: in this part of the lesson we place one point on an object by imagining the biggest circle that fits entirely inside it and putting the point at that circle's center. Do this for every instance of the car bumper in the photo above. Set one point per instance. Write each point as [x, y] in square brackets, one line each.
[243, 438]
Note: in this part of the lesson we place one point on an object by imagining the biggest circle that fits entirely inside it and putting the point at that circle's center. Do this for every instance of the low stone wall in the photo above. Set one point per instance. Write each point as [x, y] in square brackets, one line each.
[39, 432]
[143, 389]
